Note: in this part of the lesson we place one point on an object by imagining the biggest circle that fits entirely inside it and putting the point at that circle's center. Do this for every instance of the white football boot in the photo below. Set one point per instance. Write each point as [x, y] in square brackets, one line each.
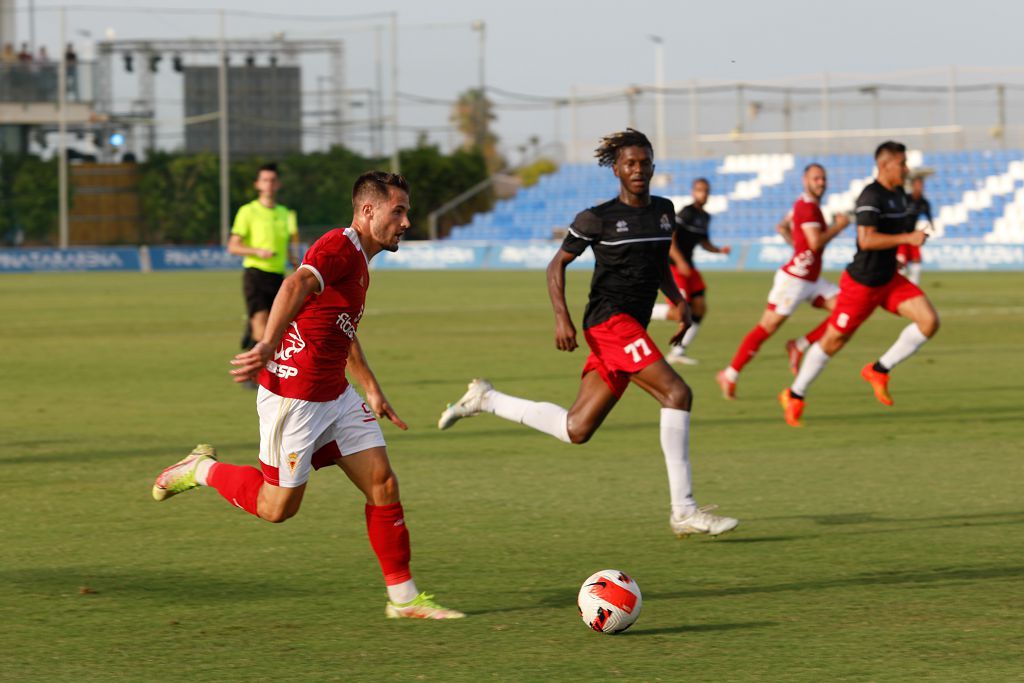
[469, 405]
[677, 355]
[701, 521]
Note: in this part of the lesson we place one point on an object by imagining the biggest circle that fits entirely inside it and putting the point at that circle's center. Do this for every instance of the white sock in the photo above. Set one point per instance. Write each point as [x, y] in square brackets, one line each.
[802, 344]
[659, 312]
[814, 362]
[403, 592]
[732, 374]
[914, 272]
[907, 344]
[544, 417]
[675, 444]
[691, 334]
[203, 469]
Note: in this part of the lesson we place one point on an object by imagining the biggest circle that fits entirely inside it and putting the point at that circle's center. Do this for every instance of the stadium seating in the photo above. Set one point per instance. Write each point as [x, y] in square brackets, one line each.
[974, 194]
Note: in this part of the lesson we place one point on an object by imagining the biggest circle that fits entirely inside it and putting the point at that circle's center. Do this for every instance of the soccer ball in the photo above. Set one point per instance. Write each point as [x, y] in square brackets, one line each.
[609, 601]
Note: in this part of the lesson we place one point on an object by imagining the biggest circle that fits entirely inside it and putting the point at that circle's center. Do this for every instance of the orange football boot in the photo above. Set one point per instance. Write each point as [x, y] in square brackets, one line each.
[879, 381]
[792, 408]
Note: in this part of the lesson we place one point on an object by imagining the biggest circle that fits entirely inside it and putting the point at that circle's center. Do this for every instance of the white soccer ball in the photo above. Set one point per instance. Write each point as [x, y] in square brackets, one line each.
[609, 601]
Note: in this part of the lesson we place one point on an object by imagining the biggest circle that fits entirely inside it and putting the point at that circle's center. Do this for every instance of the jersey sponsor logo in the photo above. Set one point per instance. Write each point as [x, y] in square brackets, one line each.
[347, 324]
[282, 371]
[290, 345]
[622, 226]
[802, 263]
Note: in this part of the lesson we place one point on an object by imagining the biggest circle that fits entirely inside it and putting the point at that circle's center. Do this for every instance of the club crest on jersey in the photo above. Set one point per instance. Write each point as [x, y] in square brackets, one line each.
[666, 223]
[622, 226]
[293, 460]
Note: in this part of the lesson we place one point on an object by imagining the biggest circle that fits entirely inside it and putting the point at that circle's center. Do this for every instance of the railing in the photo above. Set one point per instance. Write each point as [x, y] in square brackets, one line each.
[25, 82]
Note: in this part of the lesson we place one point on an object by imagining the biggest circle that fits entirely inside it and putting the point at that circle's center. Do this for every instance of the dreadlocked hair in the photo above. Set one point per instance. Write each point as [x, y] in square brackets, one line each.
[607, 151]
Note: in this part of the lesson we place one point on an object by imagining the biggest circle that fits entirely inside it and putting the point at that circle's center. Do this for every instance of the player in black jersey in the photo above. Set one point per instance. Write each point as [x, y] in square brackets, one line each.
[871, 281]
[630, 236]
[908, 256]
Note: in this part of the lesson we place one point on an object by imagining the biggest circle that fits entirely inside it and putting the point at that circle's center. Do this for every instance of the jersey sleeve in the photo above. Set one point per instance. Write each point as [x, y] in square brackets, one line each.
[241, 225]
[328, 263]
[868, 207]
[583, 232]
[805, 217]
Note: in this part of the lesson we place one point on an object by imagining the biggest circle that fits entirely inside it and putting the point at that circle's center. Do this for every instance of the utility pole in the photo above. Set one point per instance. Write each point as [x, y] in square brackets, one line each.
[396, 164]
[62, 128]
[659, 96]
[222, 121]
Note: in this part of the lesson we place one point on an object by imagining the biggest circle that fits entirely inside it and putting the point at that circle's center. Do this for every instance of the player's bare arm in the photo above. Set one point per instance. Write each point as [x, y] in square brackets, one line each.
[869, 239]
[818, 239]
[565, 331]
[785, 228]
[707, 245]
[676, 255]
[671, 290]
[293, 293]
[238, 248]
[375, 398]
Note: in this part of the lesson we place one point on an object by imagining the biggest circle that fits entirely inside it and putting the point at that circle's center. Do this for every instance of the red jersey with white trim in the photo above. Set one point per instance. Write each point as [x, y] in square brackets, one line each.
[310, 362]
[805, 263]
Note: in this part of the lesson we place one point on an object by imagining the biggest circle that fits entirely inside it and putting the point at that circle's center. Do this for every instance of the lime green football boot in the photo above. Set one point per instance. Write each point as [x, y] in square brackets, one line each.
[181, 476]
[420, 607]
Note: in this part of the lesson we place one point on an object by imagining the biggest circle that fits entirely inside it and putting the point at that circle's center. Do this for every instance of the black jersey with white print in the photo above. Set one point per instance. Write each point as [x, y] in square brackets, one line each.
[886, 211]
[693, 226]
[631, 252]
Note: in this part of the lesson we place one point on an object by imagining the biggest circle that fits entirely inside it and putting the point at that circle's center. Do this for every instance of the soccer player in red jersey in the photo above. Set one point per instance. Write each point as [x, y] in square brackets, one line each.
[630, 237]
[310, 417]
[798, 280]
[907, 255]
[871, 281]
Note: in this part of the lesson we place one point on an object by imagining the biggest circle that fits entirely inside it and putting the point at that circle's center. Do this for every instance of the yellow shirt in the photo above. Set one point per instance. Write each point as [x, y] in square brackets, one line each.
[263, 228]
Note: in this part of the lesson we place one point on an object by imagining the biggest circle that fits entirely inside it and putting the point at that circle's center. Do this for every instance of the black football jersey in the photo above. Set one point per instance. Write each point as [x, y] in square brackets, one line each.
[693, 226]
[917, 209]
[631, 250]
[887, 212]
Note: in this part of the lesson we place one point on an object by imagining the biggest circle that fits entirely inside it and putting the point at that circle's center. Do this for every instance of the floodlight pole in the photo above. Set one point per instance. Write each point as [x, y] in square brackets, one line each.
[62, 128]
[659, 97]
[396, 164]
[222, 128]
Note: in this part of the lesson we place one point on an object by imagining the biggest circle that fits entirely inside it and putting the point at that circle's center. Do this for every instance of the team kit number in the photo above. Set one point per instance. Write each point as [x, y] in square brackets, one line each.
[637, 349]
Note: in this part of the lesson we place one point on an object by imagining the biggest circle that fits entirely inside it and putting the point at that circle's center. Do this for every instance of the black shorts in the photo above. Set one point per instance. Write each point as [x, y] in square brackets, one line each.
[259, 289]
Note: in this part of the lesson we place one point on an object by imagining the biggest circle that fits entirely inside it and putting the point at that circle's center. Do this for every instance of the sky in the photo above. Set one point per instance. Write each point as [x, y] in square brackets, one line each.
[548, 47]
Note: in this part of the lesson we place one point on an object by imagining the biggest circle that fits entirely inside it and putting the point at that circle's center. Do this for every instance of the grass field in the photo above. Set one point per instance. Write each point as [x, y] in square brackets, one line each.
[875, 544]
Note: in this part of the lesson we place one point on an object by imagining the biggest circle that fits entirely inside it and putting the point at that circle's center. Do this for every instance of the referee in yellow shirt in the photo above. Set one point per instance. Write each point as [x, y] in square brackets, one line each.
[267, 235]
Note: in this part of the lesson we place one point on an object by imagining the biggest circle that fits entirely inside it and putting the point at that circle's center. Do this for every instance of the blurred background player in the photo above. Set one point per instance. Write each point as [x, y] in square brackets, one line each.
[871, 281]
[310, 416]
[630, 236]
[799, 279]
[267, 235]
[692, 229]
[918, 207]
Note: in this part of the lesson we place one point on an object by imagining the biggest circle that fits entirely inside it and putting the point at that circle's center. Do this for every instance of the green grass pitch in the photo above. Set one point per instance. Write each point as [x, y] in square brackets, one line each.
[875, 544]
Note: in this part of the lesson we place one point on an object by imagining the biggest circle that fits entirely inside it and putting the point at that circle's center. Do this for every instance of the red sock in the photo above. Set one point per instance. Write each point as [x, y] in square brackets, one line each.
[817, 333]
[385, 524]
[749, 346]
[239, 484]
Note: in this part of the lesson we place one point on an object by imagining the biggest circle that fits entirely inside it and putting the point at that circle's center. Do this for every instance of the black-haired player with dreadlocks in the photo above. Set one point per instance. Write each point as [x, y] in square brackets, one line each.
[630, 236]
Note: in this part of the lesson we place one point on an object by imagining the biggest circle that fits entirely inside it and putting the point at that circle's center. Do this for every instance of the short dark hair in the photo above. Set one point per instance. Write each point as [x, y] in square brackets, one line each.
[813, 164]
[272, 167]
[607, 151]
[890, 147]
[701, 179]
[375, 184]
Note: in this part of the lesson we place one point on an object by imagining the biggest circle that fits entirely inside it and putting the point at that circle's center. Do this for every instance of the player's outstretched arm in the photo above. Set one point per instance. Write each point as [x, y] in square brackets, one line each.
[817, 238]
[671, 290]
[785, 228]
[565, 331]
[294, 290]
[869, 239]
[707, 245]
[375, 398]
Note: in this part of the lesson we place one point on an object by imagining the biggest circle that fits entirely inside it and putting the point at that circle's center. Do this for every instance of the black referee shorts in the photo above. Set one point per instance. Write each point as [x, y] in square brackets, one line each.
[259, 289]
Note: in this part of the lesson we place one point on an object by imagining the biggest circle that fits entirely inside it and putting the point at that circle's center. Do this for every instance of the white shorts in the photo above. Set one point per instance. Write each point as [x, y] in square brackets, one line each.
[788, 292]
[292, 430]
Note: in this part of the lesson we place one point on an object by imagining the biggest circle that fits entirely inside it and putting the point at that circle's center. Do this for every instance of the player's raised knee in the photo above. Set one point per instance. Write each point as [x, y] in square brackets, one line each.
[384, 489]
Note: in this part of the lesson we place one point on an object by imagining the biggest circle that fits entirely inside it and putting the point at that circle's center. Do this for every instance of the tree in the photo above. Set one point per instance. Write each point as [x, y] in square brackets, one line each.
[472, 116]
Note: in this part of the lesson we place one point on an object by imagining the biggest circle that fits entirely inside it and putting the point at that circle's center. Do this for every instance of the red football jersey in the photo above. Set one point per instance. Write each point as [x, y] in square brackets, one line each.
[805, 263]
[310, 362]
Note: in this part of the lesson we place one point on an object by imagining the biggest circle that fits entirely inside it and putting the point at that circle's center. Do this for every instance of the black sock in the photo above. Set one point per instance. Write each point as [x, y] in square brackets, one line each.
[793, 394]
[877, 367]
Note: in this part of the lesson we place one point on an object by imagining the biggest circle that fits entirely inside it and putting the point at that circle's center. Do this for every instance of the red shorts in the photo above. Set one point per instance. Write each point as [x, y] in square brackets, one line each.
[856, 301]
[690, 286]
[908, 253]
[619, 347]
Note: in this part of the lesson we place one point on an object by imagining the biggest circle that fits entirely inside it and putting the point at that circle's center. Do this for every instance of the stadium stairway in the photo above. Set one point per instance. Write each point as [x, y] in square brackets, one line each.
[974, 194]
